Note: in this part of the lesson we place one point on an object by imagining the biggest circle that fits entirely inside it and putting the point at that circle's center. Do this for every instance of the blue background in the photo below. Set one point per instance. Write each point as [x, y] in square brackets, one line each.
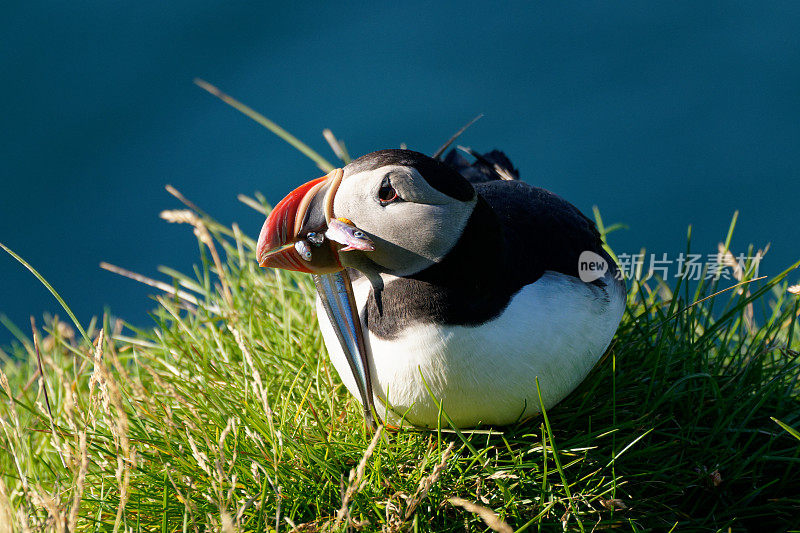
[663, 115]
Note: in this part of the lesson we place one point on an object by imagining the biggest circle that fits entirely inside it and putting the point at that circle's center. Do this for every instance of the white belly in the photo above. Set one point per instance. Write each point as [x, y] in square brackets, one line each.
[555, 329]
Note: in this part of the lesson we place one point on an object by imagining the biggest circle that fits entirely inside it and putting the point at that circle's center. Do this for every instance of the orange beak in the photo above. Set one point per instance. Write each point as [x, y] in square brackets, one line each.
[307, 209]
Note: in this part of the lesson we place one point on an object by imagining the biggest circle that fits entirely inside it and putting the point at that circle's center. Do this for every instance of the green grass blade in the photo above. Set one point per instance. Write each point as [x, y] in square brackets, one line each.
[789, 429]
[556, 457]
[49, 288]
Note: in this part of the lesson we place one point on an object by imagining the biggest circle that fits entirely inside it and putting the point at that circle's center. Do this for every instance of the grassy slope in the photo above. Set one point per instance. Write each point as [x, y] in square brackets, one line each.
[228, 414]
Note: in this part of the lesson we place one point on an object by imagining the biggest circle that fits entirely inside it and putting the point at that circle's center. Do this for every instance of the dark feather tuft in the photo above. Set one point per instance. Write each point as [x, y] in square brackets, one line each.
[490, 166]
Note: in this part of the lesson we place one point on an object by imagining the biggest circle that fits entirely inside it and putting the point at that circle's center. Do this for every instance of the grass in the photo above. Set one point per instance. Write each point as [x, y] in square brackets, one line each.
[226, 415]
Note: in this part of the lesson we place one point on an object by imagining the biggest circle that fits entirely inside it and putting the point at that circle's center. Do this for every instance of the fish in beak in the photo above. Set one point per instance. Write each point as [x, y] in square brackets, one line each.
[303, 234]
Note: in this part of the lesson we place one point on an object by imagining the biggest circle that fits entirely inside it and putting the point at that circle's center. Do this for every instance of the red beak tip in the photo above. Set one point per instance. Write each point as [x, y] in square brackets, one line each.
[280, 229]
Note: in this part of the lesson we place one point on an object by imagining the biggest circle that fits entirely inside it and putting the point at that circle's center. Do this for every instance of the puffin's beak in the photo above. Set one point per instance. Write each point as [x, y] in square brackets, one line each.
[299, 234]
[305, 211]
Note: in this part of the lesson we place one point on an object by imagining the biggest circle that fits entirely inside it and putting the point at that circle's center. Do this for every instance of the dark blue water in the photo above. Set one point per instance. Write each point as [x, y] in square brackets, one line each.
[662, 115]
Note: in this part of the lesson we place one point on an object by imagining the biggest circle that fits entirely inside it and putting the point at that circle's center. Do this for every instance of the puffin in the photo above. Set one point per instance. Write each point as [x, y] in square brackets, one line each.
[448, 285]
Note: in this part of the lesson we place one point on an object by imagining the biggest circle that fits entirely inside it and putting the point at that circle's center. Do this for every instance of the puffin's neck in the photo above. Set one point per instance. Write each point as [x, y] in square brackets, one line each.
[467, 287]
[480, 249]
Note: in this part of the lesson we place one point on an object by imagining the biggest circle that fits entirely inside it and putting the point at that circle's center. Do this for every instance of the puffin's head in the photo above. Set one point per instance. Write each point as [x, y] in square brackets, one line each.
[406, 209]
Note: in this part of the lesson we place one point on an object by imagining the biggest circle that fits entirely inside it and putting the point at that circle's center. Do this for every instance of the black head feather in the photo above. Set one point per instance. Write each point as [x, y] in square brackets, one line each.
[440, 176]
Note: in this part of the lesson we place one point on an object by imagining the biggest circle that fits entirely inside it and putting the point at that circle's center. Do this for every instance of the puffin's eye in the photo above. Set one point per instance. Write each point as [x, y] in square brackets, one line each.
[387, 194]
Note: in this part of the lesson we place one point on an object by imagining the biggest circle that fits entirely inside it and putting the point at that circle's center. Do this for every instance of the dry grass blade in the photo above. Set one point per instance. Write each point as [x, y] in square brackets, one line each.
[6, 510]
[43, 384]
[613, 504]
[201, 231]
[438, 153]
[119, 425]
[258, 385]
[160, 285]
[710, 296]
[227, 523]
[80, 481]
[427, 482]
[489, 517]
[56, 520]
[356, 475]
[185, 201]
[337, 145]
[252, 204]
[725, 257]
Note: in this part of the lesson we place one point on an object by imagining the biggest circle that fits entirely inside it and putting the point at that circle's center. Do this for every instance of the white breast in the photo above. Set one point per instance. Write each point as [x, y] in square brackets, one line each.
[554, 329]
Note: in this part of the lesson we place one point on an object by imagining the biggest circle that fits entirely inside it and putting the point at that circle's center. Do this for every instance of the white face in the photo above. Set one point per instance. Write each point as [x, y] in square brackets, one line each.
[410, 234]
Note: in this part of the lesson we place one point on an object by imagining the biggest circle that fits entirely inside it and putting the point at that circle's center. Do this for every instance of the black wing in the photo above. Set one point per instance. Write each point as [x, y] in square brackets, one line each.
[542, 231]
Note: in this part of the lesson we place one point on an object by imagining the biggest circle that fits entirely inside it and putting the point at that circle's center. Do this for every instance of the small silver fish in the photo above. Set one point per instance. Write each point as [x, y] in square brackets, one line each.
[315, 238]
[303, 249]
[344, 232]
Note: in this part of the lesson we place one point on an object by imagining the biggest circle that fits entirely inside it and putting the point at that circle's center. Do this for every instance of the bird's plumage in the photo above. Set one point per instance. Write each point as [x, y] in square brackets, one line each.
[502, 307]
